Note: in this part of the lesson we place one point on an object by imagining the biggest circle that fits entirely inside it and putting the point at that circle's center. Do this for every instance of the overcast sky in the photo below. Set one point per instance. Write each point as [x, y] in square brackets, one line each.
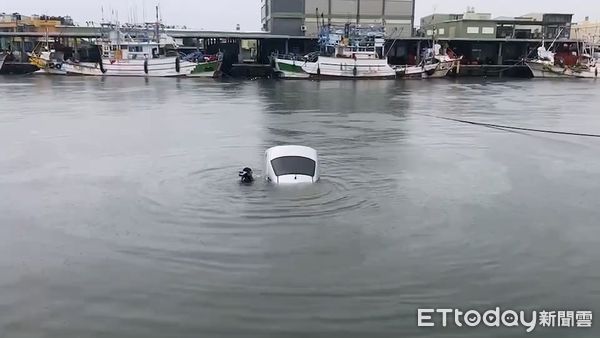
[225, 14]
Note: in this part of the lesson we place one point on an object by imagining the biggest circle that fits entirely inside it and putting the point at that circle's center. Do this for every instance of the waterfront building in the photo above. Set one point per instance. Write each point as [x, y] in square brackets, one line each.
[302, 17]
[481, 26]
[17, 23]
[586, 30]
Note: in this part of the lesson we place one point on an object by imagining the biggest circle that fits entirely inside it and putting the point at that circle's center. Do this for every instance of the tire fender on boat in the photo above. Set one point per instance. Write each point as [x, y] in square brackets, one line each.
[596, 72]
[58, 66]
[146, 66]
[101, 64]
[355, 70]
[318, 71]
[177, 65]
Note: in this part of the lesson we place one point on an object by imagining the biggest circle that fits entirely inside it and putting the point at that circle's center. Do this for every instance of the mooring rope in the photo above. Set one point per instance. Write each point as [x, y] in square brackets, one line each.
[499, 126]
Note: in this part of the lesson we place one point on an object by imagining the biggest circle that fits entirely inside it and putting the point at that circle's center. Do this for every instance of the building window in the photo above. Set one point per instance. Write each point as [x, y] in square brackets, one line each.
[429, 32]
[487, 30]
[441, 31]
[472, 30]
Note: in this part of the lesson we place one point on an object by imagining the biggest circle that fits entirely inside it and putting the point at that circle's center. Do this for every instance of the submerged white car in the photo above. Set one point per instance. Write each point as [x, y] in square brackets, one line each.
[292, 165]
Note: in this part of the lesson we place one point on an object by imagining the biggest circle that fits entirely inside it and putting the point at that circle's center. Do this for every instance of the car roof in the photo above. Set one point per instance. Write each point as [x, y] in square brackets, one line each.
[291, 150]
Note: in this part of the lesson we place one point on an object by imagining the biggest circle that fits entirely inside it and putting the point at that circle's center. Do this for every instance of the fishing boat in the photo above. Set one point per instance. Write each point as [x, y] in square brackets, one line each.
[434, 64]
[350, 52]
[133, 51]
[133, 54]
[49, 61]
[290, 66]
[548, 65]
[206, 65]
[10, 64]
[421, 71]
[47, 58]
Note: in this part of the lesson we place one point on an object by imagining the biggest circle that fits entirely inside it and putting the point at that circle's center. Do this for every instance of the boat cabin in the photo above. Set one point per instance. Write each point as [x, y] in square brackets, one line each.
[131, 50]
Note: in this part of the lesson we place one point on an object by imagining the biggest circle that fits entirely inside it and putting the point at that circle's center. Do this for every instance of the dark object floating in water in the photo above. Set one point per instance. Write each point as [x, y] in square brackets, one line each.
[246, 175]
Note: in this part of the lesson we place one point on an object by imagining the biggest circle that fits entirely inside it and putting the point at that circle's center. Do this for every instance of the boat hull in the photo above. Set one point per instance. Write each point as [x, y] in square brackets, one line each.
[331, 67]
[165, 67]
[290, 69]
[545, 70]
[51, 71]
[350, 68]
[442, 69]
[205, 69]
[47, 66]
[417, 72]
[2, 58]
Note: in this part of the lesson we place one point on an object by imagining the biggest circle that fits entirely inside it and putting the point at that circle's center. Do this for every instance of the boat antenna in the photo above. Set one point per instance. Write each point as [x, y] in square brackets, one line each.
[556, 38]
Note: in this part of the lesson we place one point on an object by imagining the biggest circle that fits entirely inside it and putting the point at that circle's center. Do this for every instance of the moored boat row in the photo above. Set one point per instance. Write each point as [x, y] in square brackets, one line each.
[359, 53]
[347, 52]
[140, 53]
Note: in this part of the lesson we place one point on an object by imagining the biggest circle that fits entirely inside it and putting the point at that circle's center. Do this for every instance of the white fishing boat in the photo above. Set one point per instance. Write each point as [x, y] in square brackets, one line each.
[127, 55]
[47, 58]
[351, 52]
[127, 51]
[48, 61]
[446, 61]
[434, 65]
[350, 64]
[546, 66]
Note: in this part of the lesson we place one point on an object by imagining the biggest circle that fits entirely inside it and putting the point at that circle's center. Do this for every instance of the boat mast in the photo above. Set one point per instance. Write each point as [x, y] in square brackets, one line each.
[157, 33]
[556, 38]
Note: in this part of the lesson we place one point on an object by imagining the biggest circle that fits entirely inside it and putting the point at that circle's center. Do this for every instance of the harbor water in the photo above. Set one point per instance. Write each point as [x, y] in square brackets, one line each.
[121, 214]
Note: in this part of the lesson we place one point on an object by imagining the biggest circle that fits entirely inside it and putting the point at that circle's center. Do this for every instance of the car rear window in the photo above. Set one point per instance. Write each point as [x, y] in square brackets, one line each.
[293, 165]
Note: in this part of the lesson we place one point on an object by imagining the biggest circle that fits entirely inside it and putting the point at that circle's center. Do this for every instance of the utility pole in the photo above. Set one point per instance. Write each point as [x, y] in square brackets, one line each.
[383, 12]
[329, 14]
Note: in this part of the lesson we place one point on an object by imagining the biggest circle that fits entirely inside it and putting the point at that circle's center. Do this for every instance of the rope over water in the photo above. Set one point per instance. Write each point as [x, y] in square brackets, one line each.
[499, 126]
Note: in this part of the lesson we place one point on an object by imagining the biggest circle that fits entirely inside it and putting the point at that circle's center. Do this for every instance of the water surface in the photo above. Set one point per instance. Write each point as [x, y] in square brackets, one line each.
[121, 214]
